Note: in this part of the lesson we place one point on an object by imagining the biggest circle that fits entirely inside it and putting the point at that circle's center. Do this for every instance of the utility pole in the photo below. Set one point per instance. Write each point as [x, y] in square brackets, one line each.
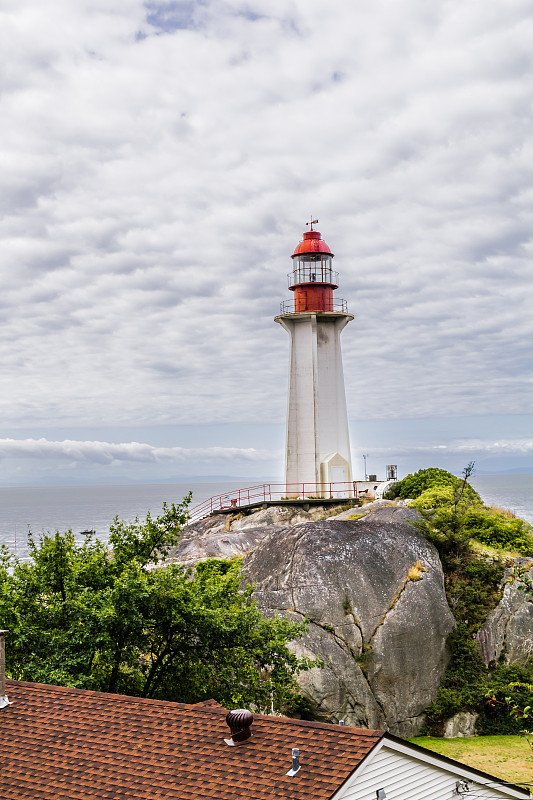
[3, 697]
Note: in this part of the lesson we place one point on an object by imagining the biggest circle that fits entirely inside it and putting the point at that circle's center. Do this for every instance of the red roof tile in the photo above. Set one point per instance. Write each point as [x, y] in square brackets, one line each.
[67, 744]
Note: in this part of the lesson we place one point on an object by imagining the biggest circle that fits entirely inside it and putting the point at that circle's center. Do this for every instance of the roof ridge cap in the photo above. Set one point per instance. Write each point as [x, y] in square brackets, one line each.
[116, 697]
[307, 723]
[200, 708]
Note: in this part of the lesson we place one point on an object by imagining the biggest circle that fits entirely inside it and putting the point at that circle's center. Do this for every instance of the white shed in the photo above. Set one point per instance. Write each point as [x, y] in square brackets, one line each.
[398, 770]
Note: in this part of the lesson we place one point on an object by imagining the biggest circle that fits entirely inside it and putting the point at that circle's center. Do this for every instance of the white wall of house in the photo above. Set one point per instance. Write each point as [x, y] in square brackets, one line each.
[405, 774]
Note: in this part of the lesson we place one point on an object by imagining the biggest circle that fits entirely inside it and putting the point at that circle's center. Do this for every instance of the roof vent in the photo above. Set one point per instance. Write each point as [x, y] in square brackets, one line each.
[3, 697]
[380, 794]
[295, 763]
[239, 722]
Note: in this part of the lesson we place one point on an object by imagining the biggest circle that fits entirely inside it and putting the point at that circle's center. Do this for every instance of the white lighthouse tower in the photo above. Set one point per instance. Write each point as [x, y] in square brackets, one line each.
[318, 441]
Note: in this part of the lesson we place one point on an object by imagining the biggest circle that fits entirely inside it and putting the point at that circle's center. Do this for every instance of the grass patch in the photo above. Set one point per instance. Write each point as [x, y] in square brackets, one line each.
[507, 757]
[415, 572]
[355, 503]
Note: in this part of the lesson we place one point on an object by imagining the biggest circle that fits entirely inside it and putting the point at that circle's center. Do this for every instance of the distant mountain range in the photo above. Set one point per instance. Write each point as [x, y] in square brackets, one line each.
[515, 471]
[123, 480]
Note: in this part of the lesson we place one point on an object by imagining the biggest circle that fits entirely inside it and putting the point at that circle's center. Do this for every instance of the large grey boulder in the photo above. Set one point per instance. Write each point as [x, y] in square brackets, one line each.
[461, 725]
[359, 511]
[372, 590]
[212, 537]
[509, 629]
[227, 535]
[281, 515]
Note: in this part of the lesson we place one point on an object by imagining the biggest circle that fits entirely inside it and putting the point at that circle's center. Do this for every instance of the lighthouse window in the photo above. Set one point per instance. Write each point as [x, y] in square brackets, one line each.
[312, 268]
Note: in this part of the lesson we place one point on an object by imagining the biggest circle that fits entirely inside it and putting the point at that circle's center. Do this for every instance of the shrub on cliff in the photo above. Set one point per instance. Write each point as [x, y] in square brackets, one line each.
[453, 517]
[444, 496]
[469, 685]
[496, 529]
[413, 485]
[454, 511]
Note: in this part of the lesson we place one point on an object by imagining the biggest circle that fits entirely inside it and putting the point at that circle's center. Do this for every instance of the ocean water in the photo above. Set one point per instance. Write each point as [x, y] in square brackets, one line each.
[80, 508]
[512, 492]
[93, 507]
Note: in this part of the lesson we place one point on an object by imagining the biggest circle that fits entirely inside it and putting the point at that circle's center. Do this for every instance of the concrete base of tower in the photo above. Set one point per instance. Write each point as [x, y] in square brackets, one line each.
[318, 443]
[336, 475]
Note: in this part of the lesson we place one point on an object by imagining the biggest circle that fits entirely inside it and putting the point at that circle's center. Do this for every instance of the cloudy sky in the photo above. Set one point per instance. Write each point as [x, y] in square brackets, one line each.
[159, 162]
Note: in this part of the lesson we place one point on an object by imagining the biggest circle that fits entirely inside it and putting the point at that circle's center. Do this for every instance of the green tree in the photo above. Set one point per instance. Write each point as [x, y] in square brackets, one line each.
[116, 619]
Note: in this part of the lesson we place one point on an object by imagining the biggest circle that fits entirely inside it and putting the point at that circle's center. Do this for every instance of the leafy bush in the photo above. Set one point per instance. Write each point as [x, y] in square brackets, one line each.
[414, 485]
[472, 520]
[473, 590]
[435, 497]
[464, 685]
[444, 497]
[495, 529]
[468, 685]
[509, 685]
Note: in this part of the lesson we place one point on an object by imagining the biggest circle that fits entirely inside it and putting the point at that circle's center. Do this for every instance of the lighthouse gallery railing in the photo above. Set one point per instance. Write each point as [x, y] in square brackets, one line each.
[338, 306]
[273, 492]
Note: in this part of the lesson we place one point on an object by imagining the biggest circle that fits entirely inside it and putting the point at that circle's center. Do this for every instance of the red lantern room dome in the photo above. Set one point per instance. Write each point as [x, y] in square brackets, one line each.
[312, 278]
[312, 243]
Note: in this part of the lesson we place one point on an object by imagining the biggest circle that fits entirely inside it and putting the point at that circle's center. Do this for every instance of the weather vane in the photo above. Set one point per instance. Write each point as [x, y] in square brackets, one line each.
[313, 222]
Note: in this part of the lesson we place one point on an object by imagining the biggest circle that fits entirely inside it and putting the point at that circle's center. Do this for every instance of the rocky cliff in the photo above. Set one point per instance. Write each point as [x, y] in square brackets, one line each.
[227, 535]
[372, 590]
[508, 631]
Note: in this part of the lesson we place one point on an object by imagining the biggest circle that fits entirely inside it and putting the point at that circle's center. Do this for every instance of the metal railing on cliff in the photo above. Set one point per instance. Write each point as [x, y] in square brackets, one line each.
[273, 493]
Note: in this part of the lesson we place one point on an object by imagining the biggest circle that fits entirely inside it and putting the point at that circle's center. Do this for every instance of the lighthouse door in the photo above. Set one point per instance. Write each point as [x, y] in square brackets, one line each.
[338, 478]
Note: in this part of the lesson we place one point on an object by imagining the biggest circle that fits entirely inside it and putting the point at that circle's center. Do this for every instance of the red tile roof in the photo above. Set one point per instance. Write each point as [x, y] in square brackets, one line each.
[67, 744]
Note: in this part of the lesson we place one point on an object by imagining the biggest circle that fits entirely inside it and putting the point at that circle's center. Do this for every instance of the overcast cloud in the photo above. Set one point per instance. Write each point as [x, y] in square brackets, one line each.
[108, 452]
[159, 162]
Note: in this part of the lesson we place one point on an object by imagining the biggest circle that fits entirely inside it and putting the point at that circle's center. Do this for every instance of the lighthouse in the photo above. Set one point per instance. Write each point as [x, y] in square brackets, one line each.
[318, 441]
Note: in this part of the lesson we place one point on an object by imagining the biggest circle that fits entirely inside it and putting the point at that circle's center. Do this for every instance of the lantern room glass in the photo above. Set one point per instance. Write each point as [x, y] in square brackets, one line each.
[313, 268]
